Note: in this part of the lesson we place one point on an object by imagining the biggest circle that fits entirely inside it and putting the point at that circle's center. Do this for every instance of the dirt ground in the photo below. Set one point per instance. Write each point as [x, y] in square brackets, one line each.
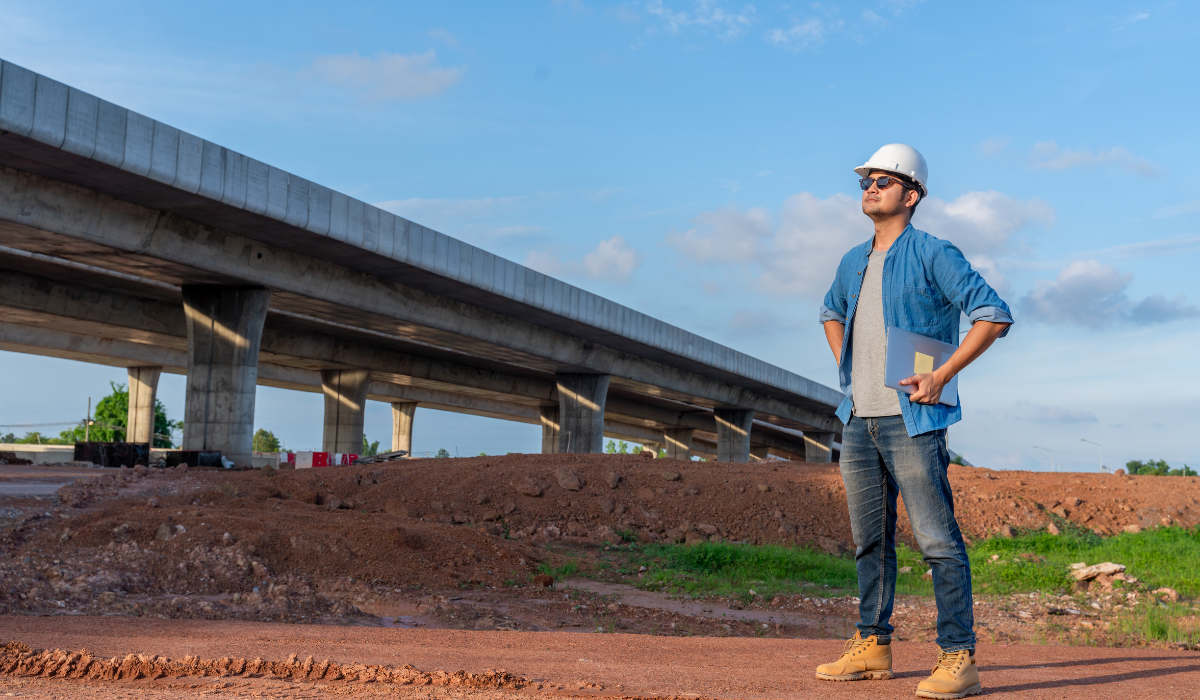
[184, 658]
[454, 544]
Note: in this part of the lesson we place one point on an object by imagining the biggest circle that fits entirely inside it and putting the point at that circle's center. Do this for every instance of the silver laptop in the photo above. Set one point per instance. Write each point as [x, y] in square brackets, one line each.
[909, 353]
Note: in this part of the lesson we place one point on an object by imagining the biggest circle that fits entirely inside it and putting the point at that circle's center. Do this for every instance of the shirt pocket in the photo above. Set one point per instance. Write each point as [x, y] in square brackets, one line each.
[921, 307]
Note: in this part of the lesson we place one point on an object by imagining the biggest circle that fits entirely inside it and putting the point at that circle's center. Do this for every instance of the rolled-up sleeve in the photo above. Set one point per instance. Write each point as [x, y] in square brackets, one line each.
[828, 314]
[834, 308]
[994, 314]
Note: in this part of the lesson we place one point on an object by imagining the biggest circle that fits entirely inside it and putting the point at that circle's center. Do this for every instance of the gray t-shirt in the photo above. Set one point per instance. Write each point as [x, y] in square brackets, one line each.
[869, 347]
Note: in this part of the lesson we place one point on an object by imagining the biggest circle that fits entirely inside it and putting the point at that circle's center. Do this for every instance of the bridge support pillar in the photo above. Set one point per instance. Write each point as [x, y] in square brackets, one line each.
[224, 326]
[550, 429]
[345, 401]
[818, 447]
[581, 412]
[143, 386]
[678, 443]
[403, 414]
[733, 434]
[759, 452]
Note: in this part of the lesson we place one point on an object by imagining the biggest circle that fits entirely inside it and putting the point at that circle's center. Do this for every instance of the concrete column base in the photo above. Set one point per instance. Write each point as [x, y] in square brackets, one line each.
[345, 402]
[581, 412]
[143, 387]
[403, 415]
[550, 429]
[224, 326]
[678, 443]
[818, 447]
[733, 434]
[759, 453]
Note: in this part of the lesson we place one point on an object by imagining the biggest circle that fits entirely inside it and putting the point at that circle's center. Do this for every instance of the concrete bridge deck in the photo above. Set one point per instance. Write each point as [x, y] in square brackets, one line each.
[128, 242]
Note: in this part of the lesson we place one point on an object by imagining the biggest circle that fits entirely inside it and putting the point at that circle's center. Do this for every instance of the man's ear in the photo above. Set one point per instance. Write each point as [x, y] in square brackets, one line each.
[912, 197]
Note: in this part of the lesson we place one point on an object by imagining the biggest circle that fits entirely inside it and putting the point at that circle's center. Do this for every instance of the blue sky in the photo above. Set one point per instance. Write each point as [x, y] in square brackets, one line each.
[693, 160]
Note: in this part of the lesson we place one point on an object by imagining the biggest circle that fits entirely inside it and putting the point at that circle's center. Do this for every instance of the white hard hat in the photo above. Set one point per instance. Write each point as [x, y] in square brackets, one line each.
[898, 158]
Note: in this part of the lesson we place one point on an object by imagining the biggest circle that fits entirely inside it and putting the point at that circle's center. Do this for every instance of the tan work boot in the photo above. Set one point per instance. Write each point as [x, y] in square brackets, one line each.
[862, 659]
[955, 676]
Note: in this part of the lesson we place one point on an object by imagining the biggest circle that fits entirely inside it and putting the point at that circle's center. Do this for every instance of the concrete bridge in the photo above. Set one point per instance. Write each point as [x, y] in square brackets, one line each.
[127, 242]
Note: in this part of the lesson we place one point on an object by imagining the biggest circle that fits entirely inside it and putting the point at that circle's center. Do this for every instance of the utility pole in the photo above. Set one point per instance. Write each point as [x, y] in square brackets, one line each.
[1101, 451]
[87, 424]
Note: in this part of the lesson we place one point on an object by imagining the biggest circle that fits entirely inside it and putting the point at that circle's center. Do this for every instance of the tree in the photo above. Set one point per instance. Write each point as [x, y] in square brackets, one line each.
[265, 441]
[8, 439]
[1156, 468]
[112, 418]
[369, 448]
[614, 448]
[442, 454]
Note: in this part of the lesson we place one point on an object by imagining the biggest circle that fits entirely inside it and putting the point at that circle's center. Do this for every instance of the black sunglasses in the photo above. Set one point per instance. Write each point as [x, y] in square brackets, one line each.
[883, 182]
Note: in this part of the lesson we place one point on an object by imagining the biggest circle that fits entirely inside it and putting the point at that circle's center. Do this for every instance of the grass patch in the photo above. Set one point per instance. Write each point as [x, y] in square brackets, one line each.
[1172, 622]
[709, 568]
[1168, 556]
[1032, 561]
[558, 573]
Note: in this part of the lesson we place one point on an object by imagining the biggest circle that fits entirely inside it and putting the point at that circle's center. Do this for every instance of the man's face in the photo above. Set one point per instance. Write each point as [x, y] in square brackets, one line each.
[886, 203]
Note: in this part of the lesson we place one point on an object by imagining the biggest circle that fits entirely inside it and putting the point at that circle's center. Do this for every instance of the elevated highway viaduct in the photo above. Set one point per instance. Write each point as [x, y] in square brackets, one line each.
[126, 242]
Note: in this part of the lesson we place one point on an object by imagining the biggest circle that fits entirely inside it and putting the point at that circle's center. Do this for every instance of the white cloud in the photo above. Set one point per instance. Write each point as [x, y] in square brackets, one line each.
[388, 76]
[725, 234]
[1132, 20]
[705, 14]
[798, 257]
[812, 237]
[1090, 294]
[1147, 249]
[982, 225]
[1156, 308]
[992, 146]
[1192, 207]
[1048, 156]
[611, 260]
[799, 36]
[1041, 413]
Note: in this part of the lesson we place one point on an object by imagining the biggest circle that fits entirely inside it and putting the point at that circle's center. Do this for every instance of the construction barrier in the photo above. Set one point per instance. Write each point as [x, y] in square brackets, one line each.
[312, 460]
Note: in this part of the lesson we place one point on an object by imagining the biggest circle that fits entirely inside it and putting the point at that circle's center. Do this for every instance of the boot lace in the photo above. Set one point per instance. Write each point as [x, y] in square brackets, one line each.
[854, 644]
[948, 660]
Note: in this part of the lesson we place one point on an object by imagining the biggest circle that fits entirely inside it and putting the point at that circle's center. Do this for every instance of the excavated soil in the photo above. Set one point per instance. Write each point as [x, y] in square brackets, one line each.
[456, 543]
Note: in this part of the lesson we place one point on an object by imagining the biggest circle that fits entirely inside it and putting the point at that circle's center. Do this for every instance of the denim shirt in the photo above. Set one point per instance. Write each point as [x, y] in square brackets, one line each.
[927, 284]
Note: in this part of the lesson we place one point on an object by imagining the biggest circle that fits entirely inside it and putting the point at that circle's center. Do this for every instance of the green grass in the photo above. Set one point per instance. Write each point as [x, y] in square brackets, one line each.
[558, 573]
[1172, 623]
[735, 569]
[1034, 561]
[1168, 556]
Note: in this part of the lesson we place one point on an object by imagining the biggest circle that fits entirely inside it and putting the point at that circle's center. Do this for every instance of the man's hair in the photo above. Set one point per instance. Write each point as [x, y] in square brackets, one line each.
[915, 187]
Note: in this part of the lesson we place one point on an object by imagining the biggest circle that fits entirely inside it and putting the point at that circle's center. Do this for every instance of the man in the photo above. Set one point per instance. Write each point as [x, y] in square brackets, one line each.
[895, 442]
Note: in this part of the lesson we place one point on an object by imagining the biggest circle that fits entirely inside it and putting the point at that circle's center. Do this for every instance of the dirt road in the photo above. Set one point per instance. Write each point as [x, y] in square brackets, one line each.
[561, 663]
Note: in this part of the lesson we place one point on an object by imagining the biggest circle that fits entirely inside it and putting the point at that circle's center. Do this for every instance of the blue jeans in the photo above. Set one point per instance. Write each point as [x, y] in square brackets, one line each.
[879, 460]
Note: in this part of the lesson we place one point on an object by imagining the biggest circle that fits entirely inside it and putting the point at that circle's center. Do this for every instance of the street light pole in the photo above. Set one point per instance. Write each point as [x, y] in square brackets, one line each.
[1053, 467]
[1101, 450]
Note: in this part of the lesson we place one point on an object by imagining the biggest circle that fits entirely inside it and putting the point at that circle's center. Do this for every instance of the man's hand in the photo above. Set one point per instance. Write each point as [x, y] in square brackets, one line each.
[928, 387]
